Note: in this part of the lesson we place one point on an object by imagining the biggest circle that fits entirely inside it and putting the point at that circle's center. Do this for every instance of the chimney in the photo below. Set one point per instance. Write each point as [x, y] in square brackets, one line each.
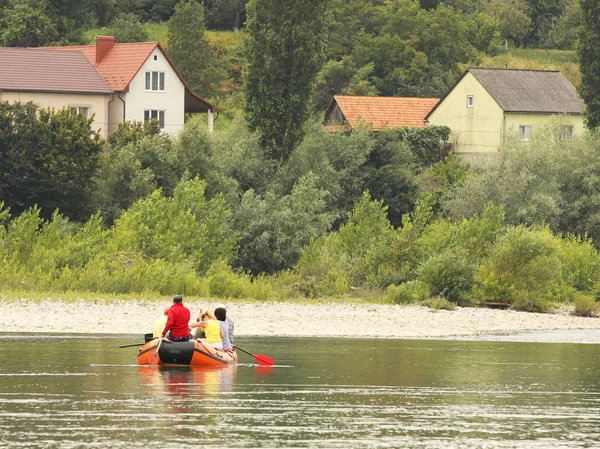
[103, 46]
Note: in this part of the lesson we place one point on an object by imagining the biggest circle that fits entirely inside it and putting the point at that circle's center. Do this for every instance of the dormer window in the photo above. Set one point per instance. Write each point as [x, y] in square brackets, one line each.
[469, 101]
[155, 81]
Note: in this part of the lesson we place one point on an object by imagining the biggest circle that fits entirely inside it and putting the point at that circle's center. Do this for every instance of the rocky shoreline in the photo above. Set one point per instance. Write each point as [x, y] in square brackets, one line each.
[345, 320]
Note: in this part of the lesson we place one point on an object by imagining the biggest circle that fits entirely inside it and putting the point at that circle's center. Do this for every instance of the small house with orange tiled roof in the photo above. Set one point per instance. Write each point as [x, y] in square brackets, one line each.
[145, 82]
[55, 80]
[377, 113]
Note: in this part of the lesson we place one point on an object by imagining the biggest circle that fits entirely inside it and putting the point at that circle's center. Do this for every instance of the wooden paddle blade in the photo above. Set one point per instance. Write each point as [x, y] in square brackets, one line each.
[264, 360]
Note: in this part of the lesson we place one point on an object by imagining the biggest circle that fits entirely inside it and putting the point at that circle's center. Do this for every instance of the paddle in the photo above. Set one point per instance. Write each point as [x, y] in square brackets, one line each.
[135, 344]
[262, 359]
[154, 358]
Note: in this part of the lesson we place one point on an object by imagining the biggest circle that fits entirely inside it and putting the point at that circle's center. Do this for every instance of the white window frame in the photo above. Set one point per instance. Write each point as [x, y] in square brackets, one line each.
[85, 110]
[566, 132]
[156, 113]
[470, 101]
[155, 81]
[525, 132]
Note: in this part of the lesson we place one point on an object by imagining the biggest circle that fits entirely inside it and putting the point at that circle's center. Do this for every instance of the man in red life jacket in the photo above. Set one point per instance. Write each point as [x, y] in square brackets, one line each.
[178, 319]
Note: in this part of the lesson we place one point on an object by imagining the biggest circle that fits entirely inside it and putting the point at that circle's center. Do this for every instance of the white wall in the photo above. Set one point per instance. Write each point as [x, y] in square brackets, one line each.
[172, 100]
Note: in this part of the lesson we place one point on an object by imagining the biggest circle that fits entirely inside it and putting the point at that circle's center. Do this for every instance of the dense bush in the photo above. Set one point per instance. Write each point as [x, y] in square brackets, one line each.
[449, 274]
[520, 268]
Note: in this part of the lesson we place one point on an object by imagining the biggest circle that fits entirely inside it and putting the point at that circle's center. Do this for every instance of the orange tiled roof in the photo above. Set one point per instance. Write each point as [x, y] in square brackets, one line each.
[120, 64]
[384, 112]
[39, 70]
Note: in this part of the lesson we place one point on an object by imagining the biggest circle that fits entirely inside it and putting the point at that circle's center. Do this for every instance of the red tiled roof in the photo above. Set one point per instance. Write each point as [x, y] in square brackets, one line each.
[120, 64]
[40, 70]
[384, 112]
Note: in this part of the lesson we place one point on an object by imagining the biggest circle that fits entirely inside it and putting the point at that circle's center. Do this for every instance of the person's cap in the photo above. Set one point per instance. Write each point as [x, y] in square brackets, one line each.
[177, 298]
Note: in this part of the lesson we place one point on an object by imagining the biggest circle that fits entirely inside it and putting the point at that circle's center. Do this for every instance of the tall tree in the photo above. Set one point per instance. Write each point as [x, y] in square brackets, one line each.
[190, 50]
[284, 54]
[588, 50]
[24, 26]
[127, 27]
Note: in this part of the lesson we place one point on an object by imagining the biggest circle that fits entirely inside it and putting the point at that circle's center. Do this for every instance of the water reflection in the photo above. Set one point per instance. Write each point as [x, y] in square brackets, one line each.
[354, 394]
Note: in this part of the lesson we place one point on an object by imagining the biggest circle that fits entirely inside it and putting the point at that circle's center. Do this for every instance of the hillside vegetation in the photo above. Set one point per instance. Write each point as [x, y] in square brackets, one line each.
[270, 206]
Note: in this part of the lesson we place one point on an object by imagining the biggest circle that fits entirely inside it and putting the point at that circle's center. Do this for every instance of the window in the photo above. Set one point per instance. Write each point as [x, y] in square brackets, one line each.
[154, 113]
[524, 132]
[566, 132]
[156, 57]
[469, 101]
[80, 110]
[155, 81]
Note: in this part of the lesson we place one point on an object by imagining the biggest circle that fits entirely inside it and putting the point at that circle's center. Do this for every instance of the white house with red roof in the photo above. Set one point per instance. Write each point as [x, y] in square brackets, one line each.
[145, 84]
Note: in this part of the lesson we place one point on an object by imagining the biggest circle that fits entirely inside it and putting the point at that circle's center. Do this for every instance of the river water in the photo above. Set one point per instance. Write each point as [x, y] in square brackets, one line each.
[73, 391]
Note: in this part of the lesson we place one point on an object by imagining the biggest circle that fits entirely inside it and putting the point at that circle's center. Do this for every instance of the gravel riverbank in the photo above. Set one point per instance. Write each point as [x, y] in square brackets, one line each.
[298, 319]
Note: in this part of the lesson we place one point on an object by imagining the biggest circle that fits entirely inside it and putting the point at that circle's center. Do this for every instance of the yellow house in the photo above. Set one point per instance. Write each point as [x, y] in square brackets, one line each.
[485, 106]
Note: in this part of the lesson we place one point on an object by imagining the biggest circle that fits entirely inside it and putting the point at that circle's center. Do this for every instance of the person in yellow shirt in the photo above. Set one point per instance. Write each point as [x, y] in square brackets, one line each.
[212, 329]
[159, 324]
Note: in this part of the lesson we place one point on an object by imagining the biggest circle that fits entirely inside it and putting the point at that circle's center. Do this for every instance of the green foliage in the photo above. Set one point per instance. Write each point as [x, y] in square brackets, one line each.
[439, 303]
[47, 158]
[225, 15]
[549, 181]
[25, 26]
[520, 268]
[449, 274]
[585, 305]
[132, 132]
[284, 54]
[224, 283]
[127, 27]
[190, 50]
[139, 161]
[563, 32]
[334, 283]
[408, 292]
[579, 263]
[342, 77]
[273, 230]
[450, 172]
[184, 227]
[405, 253]
[335, 161]
[355, 249]
[588, 51]
[512, 18]
[415, 52]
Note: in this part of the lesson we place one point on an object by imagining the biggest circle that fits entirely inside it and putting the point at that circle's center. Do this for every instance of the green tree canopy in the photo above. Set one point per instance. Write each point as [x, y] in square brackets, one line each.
[24, 26]
[284, 54]
[127, 27]
[588, 50]
[190, 50]
[47, 158]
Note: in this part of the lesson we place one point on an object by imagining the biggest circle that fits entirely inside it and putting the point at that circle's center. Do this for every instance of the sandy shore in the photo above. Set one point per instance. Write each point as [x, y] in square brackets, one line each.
[289, 319]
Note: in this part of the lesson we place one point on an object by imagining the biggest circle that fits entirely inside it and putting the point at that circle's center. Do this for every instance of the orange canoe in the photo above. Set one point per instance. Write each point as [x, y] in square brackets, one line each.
[192, 352]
